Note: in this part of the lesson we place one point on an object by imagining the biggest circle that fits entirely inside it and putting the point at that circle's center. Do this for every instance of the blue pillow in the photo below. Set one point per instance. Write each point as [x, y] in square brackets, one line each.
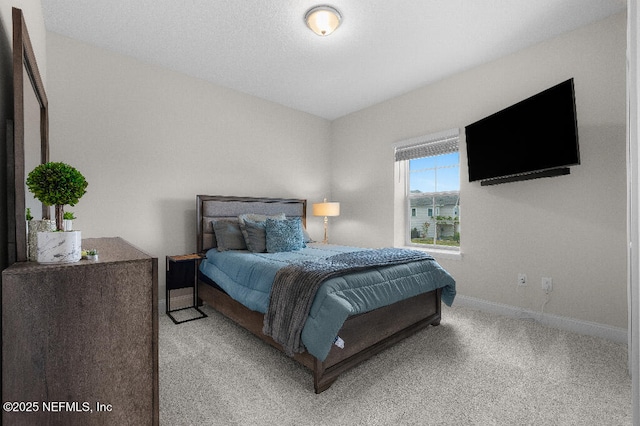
[284, 235]
[255, 235]
[228, 235]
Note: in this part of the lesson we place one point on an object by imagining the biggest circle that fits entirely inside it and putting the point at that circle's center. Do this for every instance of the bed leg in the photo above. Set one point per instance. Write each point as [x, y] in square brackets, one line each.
[320, 382]
[436, 320]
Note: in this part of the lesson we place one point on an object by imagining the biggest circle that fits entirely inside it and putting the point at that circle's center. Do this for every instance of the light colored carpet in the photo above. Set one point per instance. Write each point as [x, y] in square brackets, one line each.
[473, 369]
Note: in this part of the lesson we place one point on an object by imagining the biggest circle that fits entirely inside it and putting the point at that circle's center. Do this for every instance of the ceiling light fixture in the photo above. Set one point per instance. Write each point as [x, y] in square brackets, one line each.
[323, 20]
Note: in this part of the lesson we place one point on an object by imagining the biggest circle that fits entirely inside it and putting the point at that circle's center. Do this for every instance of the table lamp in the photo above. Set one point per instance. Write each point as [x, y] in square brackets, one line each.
[326, 209]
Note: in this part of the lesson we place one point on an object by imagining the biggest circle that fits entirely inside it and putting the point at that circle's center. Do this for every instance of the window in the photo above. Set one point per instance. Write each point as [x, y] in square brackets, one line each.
[431, 166]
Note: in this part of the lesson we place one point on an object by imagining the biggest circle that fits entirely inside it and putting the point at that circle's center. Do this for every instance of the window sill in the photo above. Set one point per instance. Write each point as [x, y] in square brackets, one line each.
[438, 253]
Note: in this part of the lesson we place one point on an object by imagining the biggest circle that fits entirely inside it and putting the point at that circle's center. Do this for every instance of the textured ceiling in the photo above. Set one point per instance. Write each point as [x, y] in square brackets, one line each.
[382, 49]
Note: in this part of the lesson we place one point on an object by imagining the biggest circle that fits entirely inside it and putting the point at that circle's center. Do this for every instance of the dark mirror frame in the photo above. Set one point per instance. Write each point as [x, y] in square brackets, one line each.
[24, 61]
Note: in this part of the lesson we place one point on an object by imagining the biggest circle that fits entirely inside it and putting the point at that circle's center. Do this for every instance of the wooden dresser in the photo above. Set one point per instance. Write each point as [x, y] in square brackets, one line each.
[80, 340]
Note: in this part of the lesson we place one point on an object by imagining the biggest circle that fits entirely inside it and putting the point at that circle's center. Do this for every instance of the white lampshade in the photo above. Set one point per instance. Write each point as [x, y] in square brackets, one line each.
[326, 209]
[323, 20]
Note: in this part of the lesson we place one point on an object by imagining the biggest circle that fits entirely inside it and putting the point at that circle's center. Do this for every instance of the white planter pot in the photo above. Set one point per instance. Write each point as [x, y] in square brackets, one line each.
[35, 226]
[67, 224]
[59, 247]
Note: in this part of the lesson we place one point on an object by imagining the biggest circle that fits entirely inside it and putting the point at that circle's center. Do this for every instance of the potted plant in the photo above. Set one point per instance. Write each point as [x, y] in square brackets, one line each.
[92, 254]
[57, 184]
[67, 221]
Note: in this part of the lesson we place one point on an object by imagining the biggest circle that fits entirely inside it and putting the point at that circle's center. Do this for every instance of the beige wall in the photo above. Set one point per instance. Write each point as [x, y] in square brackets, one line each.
[32, 11]
[148, 140]
[569, 228]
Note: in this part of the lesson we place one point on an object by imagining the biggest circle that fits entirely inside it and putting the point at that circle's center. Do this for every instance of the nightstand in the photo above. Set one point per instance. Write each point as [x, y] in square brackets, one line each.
[182, 272]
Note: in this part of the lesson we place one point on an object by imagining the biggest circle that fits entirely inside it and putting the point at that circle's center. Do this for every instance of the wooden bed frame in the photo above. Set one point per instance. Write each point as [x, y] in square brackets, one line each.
[365, 334]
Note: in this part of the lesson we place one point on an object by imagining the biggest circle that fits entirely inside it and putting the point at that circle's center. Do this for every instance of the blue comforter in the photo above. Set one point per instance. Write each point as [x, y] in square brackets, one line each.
[247, 277]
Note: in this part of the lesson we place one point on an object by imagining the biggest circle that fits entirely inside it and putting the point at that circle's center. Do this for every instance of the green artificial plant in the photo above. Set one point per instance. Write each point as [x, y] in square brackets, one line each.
[57, 184]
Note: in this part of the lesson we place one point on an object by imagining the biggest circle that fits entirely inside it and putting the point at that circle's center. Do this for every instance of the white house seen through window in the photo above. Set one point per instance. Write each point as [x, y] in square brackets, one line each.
[434, 195]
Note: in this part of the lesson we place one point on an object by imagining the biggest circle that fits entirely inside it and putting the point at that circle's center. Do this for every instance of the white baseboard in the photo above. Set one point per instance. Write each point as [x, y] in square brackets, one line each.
[614, 334]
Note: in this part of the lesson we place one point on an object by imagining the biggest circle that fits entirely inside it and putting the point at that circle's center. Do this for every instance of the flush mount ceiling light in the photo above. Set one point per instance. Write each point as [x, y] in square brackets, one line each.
[323, 20]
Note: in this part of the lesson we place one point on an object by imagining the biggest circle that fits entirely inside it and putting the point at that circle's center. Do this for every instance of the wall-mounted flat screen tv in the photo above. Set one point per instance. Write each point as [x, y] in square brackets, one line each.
[537, 137]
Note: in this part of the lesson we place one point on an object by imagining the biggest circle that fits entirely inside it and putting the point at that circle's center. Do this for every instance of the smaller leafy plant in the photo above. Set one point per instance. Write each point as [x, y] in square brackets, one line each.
[68, 216]
[90, 252]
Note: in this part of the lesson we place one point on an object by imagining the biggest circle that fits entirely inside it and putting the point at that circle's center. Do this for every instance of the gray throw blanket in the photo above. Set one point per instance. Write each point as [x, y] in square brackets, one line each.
[295, 286]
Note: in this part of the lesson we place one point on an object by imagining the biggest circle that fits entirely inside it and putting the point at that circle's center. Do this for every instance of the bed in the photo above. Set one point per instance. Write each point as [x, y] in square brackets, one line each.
[350, 316]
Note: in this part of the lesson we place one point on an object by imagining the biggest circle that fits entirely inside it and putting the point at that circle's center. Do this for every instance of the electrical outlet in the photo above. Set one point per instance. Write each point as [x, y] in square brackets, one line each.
[547, 284]
[522, 279]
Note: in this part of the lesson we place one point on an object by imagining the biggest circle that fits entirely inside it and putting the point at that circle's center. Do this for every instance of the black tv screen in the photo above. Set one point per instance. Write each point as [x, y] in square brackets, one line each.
[536, 135]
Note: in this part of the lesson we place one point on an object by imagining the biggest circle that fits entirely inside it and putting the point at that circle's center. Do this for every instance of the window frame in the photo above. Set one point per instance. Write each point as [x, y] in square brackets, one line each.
[404, 170]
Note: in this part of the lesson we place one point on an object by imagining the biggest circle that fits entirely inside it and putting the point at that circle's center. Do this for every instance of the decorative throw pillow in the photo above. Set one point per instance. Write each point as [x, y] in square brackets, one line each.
[284, 235]
[228, 235]
[256, 238]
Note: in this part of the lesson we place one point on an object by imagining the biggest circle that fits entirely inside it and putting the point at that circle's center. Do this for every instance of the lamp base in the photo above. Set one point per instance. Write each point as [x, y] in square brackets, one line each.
[326, 235]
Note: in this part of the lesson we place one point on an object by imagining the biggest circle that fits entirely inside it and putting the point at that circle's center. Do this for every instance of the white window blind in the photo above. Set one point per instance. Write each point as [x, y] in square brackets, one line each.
[426, 146]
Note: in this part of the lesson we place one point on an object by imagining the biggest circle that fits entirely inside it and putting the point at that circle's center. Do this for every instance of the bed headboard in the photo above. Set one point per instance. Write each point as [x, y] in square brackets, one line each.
[212, 207]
